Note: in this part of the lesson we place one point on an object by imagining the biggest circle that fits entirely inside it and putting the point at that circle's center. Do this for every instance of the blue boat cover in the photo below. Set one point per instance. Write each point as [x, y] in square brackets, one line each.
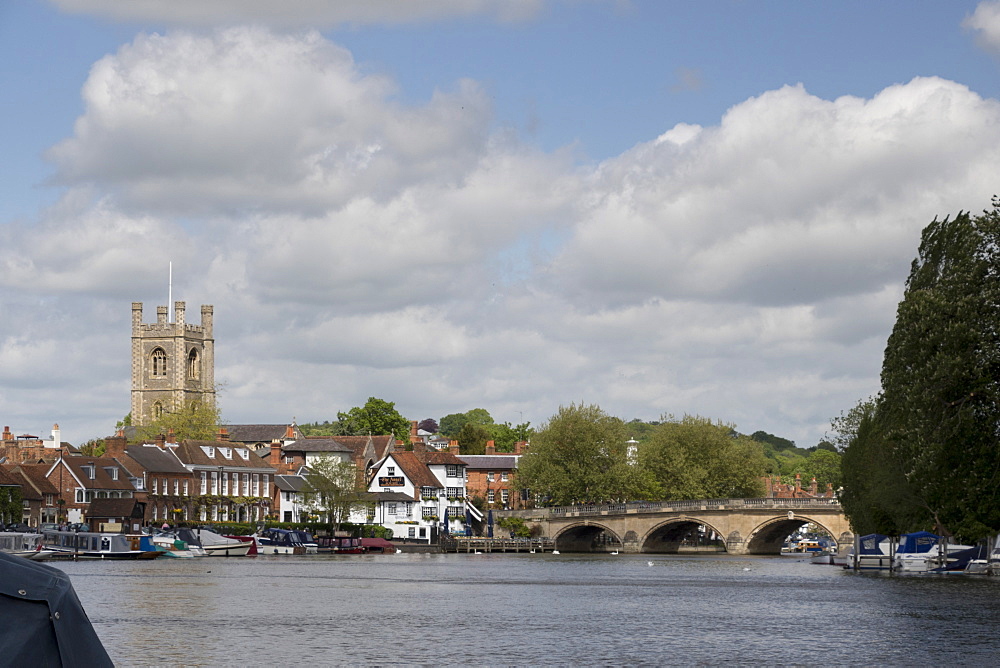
[41, 620]
[917, 542]
[872, 543]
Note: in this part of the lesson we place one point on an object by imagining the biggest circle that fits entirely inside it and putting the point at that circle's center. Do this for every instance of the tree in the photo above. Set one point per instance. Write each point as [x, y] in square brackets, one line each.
[472, 439]
[95, 447]
[196, 420]
[505, 436]
[429, 425]
[332, 488]
[824, 465]
[453, 423]
[696, 458]
[377, 416]
[933, 436]
[580, 455]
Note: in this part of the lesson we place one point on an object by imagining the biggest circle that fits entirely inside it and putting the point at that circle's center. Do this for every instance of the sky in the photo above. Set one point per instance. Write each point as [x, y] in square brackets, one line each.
[662, 208]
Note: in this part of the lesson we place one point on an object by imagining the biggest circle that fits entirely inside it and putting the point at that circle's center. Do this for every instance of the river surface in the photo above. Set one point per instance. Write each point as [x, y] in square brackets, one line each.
[532, 609]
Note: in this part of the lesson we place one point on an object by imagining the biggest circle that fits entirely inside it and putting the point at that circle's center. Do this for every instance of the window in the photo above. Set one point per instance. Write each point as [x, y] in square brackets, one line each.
[209, 450]
[452, 470]
[256, 484]
[157, 410]
[246, 484]
[390, 470]
[244, 453]
[158, 361]
[390, 509]
[504, 496]
[412, 532]
[215, 483]
[491, 496]
[155, 486]
[427, 511]
[79, 496]
[265, 489]
[177, 487]
[225, 484]
[503, 476]
[226, 452]
[204, 484]
[193, 367]
[455, 493]
[489, 476]
[185, 488]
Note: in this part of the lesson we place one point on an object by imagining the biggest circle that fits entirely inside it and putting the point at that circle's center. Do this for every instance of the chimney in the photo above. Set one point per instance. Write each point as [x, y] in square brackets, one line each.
[223, 435]
[519, 447]
[275, 457]
[115, 445]
[7, 435]
[418, 445]
[829, 490]
[491, 448]
[453, 447]
[160, 440]
[813, 488]
[413, 429]
[171, 438]
[798, 484]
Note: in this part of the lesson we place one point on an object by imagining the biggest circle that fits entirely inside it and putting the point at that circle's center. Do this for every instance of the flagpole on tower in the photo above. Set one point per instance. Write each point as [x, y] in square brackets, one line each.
[170, 289]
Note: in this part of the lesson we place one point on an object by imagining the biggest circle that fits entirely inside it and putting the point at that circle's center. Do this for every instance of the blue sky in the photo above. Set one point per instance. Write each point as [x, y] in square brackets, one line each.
[658, 207]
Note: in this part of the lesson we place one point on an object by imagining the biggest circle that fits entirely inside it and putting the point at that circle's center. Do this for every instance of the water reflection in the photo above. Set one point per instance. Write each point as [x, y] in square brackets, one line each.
[531, 609]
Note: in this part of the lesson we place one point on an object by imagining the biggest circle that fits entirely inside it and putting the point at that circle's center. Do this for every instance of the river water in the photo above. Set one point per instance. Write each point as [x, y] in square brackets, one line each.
[532, 609]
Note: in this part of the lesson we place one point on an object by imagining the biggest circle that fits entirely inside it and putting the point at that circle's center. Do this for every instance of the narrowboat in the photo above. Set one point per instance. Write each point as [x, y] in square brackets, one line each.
[92, 545]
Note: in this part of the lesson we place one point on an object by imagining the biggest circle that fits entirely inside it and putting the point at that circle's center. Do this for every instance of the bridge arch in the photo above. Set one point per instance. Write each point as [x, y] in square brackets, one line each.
[667, 537]
[587, 537]
[769, 536]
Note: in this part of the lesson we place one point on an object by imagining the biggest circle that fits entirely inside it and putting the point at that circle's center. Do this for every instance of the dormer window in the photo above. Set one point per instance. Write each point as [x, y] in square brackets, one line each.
[112, 471]
[226, 452]
[90, 470]
[244, 453]
[209, 450]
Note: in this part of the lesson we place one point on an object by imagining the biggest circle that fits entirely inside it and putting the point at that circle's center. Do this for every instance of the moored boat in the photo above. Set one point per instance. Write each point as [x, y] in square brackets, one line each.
[20, 543]
[92, 545]
[340, 542]
[285, 541]
[210, 544]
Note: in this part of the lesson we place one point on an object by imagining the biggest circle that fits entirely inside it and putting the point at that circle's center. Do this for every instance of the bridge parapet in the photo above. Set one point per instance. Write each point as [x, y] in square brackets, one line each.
[672, 506]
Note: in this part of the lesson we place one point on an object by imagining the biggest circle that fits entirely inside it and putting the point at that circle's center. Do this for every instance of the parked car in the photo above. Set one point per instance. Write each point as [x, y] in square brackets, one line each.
[19, 527]
[48, 526]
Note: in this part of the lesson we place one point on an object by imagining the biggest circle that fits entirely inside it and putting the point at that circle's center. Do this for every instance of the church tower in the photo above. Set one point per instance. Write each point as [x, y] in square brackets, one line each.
[173, 363]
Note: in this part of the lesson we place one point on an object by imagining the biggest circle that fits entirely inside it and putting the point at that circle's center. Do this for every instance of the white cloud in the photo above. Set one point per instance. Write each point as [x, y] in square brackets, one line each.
[299, 13]
[356, 246]
[985, 22]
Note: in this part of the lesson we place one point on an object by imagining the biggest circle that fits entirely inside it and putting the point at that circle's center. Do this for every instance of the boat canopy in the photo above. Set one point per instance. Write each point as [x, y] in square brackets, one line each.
[917, 542]
[872, 543]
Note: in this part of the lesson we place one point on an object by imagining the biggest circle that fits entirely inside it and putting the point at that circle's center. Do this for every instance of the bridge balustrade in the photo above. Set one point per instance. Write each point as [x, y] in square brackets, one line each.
[654, 506]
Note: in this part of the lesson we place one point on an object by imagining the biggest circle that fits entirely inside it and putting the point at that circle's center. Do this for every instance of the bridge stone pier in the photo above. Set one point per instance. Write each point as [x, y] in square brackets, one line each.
[745, 526]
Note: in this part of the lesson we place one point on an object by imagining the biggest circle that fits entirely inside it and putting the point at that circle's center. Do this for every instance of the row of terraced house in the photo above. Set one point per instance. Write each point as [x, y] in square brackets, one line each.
[251, 473]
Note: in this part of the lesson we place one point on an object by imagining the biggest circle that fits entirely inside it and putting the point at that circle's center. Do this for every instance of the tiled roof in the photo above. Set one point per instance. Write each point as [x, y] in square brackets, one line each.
[381, 443]
[7, 479]
[256, 433]
[318, 445]
[154, 460]
[290, 483]
[439, 458]
[415, 470]
[388, 496]
[191, 454]
[28, 490]
[35, 473]
[109, 508]
[491, 462]
[102, 479]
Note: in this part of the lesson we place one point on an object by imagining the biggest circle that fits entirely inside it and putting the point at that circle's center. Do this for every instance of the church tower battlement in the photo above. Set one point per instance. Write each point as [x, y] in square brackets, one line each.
[173, 363]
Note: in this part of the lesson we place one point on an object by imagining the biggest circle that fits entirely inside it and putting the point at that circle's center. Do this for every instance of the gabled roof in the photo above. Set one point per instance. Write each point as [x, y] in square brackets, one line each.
[154, 460]
[439, 458]
[380, 443]
[259, 433]
[415, 470]
[191, 454]
[102, 479]
[290, 483]
[318, 445]
[490, 462]
[113, 508]
[35, 475]
[6, 479]
[28, 490]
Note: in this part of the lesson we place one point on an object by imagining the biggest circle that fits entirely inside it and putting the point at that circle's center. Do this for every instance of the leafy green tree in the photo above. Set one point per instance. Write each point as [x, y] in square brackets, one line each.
[824, 465]
[580, 456]
[941, 376]
[927, 456]
[505, 435]
[332, 488]
[452, 424]
[95, 447]
[696, 458]
[376, 417]
[472, 439]
[196, 420]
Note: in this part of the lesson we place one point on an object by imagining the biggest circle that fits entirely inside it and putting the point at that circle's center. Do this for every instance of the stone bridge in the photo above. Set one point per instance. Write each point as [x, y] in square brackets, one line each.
[744, 526]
